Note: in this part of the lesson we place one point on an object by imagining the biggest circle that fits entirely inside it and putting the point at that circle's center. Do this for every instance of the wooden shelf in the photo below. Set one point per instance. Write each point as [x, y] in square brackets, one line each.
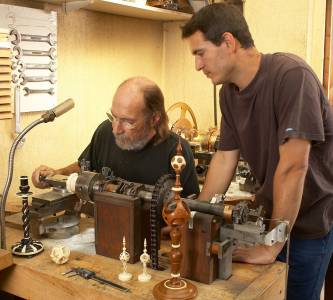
[131, 9]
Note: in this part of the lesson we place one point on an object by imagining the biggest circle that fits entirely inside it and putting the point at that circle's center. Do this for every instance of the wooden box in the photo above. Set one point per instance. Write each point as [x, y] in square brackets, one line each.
[196, 264]
[118, 215]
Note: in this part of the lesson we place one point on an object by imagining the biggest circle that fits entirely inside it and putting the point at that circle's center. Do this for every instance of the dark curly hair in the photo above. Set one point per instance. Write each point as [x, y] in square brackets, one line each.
[216, 19]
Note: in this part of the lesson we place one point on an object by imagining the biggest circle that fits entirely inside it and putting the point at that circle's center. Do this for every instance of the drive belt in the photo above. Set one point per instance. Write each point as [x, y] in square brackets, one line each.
[161, 190]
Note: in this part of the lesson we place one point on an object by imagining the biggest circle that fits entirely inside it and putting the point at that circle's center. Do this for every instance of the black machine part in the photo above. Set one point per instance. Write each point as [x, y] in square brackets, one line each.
[235, 214]
[88, 183]
[85, 184]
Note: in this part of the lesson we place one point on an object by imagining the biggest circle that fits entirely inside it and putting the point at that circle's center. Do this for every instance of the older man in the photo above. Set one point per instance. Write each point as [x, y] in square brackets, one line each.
[135, 142]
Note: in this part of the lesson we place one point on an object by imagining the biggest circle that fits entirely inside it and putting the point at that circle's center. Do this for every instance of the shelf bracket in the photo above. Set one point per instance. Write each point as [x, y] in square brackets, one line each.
[69, 6]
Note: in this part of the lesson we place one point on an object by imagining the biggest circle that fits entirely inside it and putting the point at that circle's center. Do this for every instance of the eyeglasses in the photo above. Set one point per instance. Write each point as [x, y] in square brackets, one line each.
[129, 124]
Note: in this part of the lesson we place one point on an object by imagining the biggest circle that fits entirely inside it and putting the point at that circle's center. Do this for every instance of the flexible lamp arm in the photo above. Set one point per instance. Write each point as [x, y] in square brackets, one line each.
[48, 116]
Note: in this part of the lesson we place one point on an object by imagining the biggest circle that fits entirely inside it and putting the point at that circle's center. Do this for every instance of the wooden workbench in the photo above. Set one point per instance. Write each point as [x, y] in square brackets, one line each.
[40, 278]
[6, 259]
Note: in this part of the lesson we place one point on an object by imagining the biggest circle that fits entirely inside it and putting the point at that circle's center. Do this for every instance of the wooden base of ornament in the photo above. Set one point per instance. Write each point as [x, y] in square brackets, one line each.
[165, 290]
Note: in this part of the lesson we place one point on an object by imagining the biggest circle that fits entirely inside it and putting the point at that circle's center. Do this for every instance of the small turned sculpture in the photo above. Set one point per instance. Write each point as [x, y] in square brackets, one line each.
[176, 287]
[27, 247]
[124, 258]
[144, 258]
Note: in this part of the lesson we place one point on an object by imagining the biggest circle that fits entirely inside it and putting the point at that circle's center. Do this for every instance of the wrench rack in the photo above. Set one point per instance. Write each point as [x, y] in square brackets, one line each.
[34, 68]
[32, 35]
[5, 76]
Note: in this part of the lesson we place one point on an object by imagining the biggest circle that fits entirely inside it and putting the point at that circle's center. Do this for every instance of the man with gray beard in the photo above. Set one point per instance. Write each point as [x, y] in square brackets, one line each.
[135, 142]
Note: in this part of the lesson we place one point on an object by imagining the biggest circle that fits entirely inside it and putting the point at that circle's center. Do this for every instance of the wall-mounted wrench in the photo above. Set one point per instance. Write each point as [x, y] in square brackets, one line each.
[19, 52]
[50, 66]
[50, 38]
[15, 78]
[31, 91]
[20, 66]
[26, 79]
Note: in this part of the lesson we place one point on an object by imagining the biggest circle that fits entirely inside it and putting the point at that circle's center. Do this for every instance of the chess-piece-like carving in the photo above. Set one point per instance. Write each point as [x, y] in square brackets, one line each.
[124, 258]
[144, 258]
[176, 287]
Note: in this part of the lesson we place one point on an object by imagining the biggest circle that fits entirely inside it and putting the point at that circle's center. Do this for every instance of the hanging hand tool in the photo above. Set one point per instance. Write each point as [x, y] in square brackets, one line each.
[19, 52]
[17, 38]
[31, 91]
[21, 67]
[26, 79]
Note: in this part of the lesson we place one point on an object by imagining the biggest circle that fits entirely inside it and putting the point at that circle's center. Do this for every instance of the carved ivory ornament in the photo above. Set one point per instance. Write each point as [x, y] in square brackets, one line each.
[60, 254]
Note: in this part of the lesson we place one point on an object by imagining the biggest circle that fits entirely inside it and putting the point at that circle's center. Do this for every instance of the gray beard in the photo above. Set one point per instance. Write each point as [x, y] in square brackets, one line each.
[124, 144]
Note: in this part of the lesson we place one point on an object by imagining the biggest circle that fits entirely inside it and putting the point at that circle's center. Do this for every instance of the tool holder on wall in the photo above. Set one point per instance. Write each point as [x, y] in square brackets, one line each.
[5, 76]
[33, 61]
[34, 69]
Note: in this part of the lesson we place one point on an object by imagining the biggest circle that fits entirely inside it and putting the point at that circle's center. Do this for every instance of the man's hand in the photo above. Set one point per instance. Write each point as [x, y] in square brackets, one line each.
[41, 171]
[260, 254]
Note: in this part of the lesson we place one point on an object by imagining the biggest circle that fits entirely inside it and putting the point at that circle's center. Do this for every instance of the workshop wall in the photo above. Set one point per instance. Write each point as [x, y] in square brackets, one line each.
[296, 26]
[96, 52]
[277, 25]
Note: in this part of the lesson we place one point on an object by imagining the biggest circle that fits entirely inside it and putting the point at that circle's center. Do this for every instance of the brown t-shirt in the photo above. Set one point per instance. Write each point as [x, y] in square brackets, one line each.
[284, 100]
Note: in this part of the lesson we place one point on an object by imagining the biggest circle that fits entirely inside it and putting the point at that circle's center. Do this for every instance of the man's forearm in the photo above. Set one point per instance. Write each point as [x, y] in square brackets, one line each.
[289, 179]
[220, 173]
[288, 184]
[287, 193]
[72, 168]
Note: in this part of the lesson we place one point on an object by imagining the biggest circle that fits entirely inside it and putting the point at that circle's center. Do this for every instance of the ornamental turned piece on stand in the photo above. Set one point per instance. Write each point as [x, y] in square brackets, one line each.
[176, 287]
[144, 258]
[124, 258]
[27, 247]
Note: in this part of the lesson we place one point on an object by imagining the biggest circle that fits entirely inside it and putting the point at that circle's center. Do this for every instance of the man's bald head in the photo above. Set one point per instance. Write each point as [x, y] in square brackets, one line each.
[137, 83]
[133, 92]
[142, 95]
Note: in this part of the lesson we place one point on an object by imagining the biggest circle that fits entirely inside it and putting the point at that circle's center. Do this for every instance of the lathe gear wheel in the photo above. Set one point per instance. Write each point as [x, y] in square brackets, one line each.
[182, 124]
